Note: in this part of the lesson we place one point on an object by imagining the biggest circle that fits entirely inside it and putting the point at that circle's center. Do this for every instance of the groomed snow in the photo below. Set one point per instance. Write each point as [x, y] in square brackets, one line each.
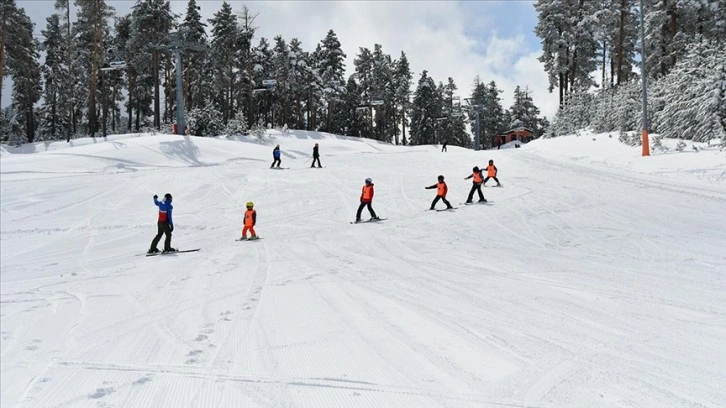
[594, 278]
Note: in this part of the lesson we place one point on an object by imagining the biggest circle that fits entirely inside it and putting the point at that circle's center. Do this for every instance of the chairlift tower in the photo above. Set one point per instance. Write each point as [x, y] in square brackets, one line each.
[178, 46]
[474, 107]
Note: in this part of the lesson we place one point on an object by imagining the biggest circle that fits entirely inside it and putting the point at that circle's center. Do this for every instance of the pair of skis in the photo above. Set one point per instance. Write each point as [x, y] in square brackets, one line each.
[172, 252]
[369, 220]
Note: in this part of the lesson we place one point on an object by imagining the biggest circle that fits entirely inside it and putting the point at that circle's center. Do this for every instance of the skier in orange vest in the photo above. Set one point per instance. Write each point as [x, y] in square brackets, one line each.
[250, 220]
[441, 190]
[476, 185]
[366, 198]
[491, 173]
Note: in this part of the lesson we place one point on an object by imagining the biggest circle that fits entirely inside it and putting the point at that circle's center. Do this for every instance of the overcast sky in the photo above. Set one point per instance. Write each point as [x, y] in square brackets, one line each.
[458, 39]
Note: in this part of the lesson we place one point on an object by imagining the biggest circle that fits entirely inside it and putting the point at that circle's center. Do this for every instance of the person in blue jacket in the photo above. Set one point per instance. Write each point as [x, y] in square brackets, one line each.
[276, 157]
[164, 224]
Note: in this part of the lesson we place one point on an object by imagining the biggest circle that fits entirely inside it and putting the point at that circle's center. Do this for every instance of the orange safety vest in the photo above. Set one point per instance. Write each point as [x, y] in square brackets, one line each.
[442, 189]
[250, 218]
[367, 194]
[491, 170]
[477, 177]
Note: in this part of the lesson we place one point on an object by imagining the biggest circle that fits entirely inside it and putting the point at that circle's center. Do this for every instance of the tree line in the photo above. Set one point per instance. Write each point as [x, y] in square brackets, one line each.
[685, 49]
[72, 93]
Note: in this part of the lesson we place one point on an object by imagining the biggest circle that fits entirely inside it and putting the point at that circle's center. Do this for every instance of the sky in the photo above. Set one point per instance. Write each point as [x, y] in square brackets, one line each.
[458, 39]
[593, 277]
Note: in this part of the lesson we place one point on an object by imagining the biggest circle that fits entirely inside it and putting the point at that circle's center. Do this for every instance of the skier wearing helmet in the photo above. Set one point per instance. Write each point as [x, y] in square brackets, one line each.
[250, 220]
[441, 190]
[366, 198]
[476, 185]
[491, 173]
[164, 224]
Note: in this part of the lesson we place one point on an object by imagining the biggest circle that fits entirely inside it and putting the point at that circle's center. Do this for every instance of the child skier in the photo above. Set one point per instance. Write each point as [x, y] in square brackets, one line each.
[441, 190]
[476, 185]
[250, 220]
[164, 224]
[491, 173]
[276, 157]
[366, 198]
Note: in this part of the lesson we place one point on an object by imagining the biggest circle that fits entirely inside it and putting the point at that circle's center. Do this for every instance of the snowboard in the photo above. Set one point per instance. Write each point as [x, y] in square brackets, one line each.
[248, 239]
[366, 221]
[175, 252]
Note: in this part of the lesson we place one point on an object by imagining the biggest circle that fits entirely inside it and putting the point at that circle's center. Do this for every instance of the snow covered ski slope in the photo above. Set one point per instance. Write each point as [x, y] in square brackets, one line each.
[594, 278]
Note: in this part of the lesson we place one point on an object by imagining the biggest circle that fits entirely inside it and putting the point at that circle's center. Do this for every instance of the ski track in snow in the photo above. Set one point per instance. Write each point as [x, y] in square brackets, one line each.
[583, 284]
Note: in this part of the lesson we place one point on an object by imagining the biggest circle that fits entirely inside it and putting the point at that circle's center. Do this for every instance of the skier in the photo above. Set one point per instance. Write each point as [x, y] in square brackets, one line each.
[165, 226]
[249, 222]
[441, 190]
[443, 147]
[366, 198]
[491, 173]
[276, 157]
[476, 185]
[316, 156]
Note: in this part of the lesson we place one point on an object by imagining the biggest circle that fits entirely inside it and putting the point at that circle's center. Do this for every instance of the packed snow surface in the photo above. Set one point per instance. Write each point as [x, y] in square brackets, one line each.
[593, 278]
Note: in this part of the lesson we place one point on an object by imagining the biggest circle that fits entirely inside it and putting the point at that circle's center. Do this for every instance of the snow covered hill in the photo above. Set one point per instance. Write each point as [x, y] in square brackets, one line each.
[594, 278]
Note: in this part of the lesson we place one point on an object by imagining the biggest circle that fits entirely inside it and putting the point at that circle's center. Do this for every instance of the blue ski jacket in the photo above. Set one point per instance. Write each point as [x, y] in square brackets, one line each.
[164, 211]
[276, 153]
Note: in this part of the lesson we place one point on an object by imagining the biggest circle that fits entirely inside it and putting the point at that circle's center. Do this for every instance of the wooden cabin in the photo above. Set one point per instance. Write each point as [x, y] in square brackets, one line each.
[521, 134]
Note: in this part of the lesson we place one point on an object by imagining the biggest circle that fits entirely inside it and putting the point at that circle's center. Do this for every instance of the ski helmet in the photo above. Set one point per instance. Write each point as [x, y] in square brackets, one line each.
[369, 180]
[491, 161]
[441, 177]
[250, 204]
[167, 196]
[476, 169]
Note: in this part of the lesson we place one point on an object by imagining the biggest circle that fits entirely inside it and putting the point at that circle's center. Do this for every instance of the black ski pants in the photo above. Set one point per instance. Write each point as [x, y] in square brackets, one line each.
[360, 210]
[316, 159]
[486, 179]
[475, 187]
[163, 228]
[278, 161]
[442, 198]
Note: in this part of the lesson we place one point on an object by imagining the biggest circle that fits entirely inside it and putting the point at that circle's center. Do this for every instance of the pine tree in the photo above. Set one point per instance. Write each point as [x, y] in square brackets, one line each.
[151, 21]
[263, 101]
[383, 89]
[8, 17]
[569, 43]
[245, 35]
[193, 32]
[524, 111]
[296, 80]
[91, 30]
[54, 122]
[23, 67]
[425, 109]
[332, 73]
[281, 73]
[225, 36]
[694, 95]
[402, 82]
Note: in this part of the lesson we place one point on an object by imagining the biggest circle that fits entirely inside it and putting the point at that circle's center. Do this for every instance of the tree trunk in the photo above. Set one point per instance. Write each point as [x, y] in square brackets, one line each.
[3, 39]
[155, 72]
[621, 40]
